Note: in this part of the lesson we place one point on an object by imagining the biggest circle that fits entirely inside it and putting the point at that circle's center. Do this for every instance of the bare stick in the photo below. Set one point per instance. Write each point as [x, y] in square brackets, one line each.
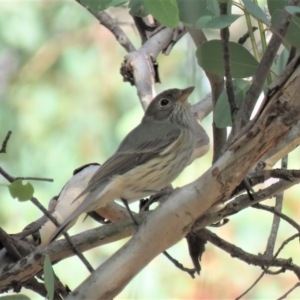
[174, 261]
[113, 27]
[11, 178]
[53, 220]
[4, 143]
[279, 214]
[228, 77]
[217, 86]
[177, 264]
[289, 291]
[270, 264]
[66, 235]
[276, 220]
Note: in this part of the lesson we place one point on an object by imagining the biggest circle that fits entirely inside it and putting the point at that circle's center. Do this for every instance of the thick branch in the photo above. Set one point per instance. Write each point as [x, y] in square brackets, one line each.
[214, 186]
[33, 263]
[265, 65]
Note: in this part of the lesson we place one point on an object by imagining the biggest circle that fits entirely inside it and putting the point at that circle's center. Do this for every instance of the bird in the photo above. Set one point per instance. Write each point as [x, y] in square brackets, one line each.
[149, 158]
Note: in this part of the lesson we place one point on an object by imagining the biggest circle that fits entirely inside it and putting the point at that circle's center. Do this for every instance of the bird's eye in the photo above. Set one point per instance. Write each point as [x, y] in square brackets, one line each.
[164, 102]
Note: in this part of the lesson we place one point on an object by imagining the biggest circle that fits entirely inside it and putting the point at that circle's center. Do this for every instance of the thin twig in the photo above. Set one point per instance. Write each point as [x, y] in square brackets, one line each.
[177, 264]
[113, 27]
[66, 235]
[228, 77]
[12, 178]
[279, 214]
[35, 178]
[256, 260]
[289, 291]
[245, 37]
[54, 221]
[275, 226]
[276, 219]
[270, 264]
[4, 143]
[217, 87]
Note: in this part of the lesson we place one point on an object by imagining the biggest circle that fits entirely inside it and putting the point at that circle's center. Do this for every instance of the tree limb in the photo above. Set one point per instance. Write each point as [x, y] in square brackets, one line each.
[213, 187]
[265, 65]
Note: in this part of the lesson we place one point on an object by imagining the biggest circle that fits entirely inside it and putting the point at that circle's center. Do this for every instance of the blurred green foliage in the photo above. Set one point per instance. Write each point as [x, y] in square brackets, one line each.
[63, 97]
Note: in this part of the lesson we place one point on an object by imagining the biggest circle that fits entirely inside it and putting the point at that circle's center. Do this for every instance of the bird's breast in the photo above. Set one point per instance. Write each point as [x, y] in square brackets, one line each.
[159, 171]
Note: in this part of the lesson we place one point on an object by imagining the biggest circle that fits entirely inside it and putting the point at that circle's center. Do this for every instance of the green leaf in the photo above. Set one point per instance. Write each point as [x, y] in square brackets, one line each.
[213, 6]
[256, 12]
[280, 64]
[210, 58]
[137, 8]
[15, 297]
[97, 5]
[275, 4]
[164, 11]
[20, 191]
[222, 115]
[221, 21]
[190, 11]
[49, 277]
[292, 9]
[293, 32]
[202, 21]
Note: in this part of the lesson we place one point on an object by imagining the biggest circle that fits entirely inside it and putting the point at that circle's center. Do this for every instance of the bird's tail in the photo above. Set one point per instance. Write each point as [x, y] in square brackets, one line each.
[67, 223]
[90, 203]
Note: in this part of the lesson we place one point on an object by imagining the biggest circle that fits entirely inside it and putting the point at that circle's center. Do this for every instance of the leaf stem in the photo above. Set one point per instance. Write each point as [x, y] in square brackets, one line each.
[251, 35]
[263, 42]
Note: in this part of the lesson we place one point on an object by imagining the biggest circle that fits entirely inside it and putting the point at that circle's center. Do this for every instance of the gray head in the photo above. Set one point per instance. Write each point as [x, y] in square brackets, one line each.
[170, 104]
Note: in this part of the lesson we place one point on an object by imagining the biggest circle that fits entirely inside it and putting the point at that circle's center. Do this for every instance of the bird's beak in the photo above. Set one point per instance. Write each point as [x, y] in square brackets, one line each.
[185, 93]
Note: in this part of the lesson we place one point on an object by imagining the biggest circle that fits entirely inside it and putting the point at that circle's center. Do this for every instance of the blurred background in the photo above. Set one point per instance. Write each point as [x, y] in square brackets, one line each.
[62, 96]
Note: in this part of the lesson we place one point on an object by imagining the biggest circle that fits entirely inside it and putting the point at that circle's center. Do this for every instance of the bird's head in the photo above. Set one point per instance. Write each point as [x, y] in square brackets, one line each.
[170, 104]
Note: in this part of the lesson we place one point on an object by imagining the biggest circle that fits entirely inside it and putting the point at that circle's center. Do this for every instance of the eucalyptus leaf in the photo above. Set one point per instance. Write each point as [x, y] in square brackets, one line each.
[210, 58]
[293, 32]
[293, 9]
[275, 4]
[280, 64]
[137, 8]
[256, 12]
[49, 277]
[202, 21]
[164, 11]
[213, 6]
[221, 21]
[222, 115]
[97, 5]
[15, 297]
[21, 191]
[190, 11]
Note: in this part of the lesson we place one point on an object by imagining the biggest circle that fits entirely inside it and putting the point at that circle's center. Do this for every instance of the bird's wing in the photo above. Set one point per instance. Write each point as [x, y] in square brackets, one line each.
[140, 145]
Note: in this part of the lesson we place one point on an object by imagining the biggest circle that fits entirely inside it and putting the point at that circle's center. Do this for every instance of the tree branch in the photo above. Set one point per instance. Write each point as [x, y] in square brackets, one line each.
[265, 65]
[113, 27]
[228, 77]
[295, 268]
[4, 143]
[217, 86]
[276, 219]
[256, 260]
